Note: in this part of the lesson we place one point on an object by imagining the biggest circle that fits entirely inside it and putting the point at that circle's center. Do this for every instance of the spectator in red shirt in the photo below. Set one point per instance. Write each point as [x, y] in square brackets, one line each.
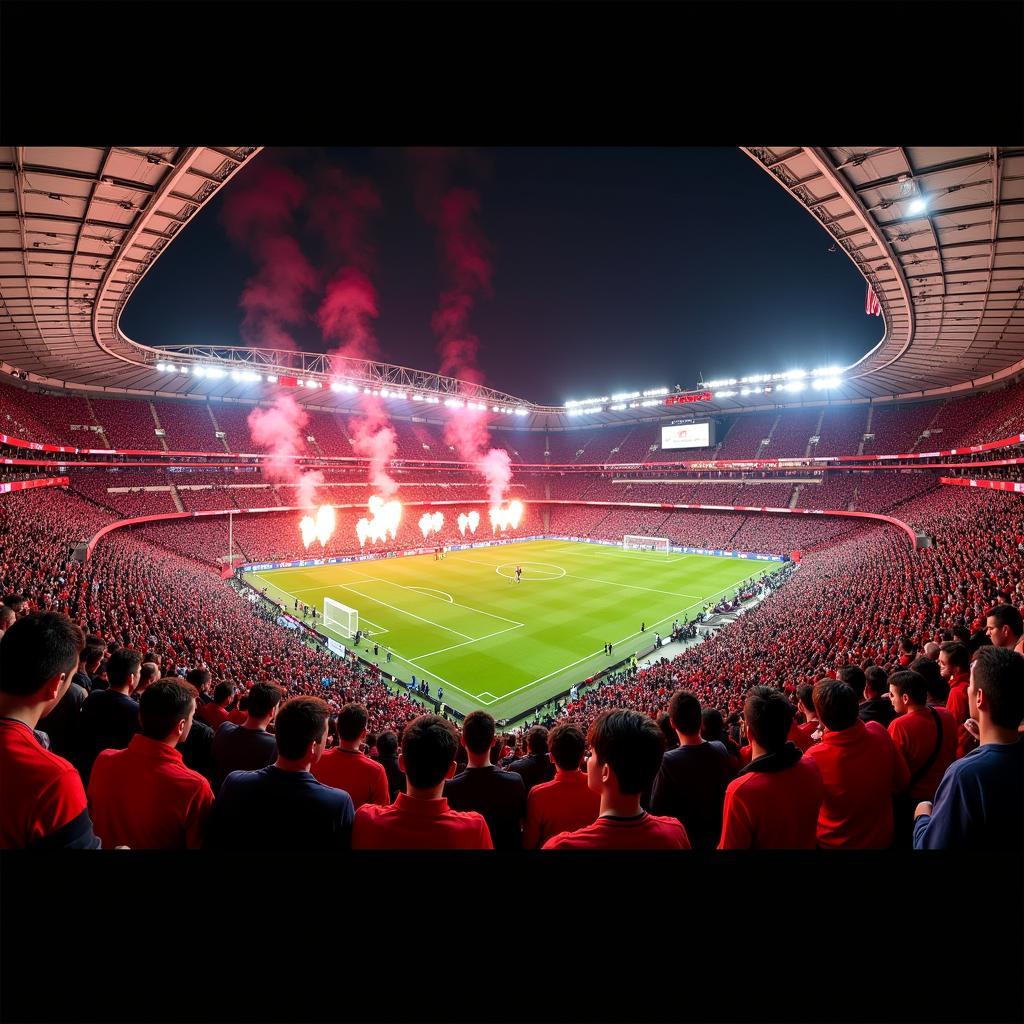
[566, 803]
[626, 750]
[811, 725]
[346, 767]
[774, 801]
[144, 796]
[861, 771]
[926, 738]
[215, 714]
[420, 818]
[955, 666]
[42, 801]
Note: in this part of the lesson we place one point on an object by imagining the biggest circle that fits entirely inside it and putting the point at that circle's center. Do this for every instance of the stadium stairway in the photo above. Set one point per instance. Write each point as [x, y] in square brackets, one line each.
[156, 420]
[216, 427]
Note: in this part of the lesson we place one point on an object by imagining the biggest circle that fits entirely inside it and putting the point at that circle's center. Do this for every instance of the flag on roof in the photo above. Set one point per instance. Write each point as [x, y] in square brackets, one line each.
[871, 304]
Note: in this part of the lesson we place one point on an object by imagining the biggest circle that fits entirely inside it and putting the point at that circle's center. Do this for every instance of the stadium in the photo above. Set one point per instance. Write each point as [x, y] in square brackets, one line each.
[393, 556]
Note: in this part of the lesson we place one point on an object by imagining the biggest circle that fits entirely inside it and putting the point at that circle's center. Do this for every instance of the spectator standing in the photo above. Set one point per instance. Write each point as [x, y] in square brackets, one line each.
[536, 766]
[420, 818]
[61, 724]
[283, 806]
[1005, 627]
[626, 750]
[861, 770]
[215, 714]
[346, 767]
[955, 666]
[247, 747]
[498, 795]
[566, 803]
[42, 800]
[144, 796]
[979, 805]
[110, 718]
[149, 673]
[88, 665]
[876, 706]
[811, 725]
[690, 784]
[8, 616]
[774, 801]
[387, 756]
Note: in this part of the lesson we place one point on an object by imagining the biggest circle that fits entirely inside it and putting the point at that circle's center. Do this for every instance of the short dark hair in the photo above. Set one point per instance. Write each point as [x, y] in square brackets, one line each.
[853, 676]
[961, 632]
[684, 712]
[567, 743]
[300, 721]
[537, 740]
[148, 670]
[387, 742]
[223, 691]
[836, 703]
[16, 601]
[937, 687]
[93, 654]
[958, 654]
[124, 662]
[1007, 615]
[876, 679]
[769, 716]
[163, 705]
[805, 695]
[198, 677]
[631, 744]
[712, 726]
[352, 719]
[37, 648]
[478, 732]
[910, 684]
[999, 674]
[263, 698]
[429, 746]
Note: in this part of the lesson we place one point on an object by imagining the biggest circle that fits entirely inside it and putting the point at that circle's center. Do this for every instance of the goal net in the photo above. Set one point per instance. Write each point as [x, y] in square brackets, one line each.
[343, 618]
[633, 543]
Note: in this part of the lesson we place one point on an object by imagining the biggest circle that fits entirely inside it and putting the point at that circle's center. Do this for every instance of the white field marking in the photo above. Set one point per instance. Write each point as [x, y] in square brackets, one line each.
[631, 586]
[431, 590]
[394, 608]
[430, 654]
[576, 548]
[468, 608]
[587, 657]
[434, 675]
[550, 575]
[480, 697]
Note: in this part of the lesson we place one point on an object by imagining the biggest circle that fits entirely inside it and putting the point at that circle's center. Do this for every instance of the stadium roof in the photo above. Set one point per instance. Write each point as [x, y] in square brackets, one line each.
[937, 231]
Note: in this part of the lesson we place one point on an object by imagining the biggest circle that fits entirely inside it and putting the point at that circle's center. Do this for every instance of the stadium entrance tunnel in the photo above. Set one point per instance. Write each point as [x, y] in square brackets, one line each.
[532, 571]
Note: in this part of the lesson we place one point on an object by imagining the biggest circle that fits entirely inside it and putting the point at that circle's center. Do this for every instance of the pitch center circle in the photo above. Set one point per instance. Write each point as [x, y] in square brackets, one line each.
[537, 574]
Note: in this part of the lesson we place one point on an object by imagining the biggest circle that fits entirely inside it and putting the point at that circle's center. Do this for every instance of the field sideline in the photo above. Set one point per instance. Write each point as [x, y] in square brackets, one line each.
[464, 624]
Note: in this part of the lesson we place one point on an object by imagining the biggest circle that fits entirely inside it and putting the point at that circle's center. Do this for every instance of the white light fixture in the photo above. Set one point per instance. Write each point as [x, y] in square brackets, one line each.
[795, 385]
[917, 205]
[271, 379]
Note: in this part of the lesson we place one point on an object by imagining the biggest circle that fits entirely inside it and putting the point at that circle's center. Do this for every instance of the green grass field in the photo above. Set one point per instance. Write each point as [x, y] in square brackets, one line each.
[464, 623]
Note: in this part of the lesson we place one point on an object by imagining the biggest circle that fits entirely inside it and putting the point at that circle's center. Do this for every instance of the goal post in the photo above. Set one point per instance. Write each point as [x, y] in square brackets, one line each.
[341, 617]
[630, 542]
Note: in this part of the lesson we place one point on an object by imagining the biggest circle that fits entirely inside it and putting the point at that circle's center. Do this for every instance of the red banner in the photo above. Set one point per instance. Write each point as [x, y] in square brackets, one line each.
[26, 485]
[995, 485]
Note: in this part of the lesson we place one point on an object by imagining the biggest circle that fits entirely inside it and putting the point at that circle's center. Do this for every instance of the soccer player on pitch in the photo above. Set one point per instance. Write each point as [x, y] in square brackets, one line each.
[519, 574]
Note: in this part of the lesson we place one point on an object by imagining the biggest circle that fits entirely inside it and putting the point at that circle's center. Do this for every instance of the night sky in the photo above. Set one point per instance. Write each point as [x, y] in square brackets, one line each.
[614, 269]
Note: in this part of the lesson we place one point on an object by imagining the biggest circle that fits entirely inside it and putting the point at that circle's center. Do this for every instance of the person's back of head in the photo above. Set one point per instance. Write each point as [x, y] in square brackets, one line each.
[199, 678]
[387, 744]
[38, 655]
[961, 634]
[908, 689]
[876, 682]
[805, 697]
[223, 692]
[149, 673]
[712, 725]
[768, 716]
[352, 721]
[429, 746]
[937, 687]
[853, 676]
[997, 687]
[478, 732]
[166, 708]
[836, 702]
[263, 698]
[92, 656]
[566, 744]
[931, 650]
[537, 740]
[631, 745]
[122, 665]
[684, 712]
[907, 645]
[7, 617]
[1004, 625]
[301, 728]
[665, 725]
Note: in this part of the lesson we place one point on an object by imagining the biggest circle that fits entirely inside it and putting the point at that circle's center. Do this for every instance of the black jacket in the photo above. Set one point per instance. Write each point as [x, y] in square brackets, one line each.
[533, 769]
[690, 786]
[396, 777]
[877, 709]
[108, 720]
[498, 795]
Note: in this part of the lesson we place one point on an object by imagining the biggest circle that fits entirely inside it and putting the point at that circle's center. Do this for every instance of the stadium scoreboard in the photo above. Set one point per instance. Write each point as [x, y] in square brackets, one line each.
[687, 434]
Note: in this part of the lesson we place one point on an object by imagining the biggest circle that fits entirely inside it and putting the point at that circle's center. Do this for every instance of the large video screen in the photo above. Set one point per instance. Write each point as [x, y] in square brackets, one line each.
[687, 435]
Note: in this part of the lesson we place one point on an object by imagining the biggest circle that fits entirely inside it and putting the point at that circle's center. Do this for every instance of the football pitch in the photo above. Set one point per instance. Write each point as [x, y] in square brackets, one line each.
[463, 623]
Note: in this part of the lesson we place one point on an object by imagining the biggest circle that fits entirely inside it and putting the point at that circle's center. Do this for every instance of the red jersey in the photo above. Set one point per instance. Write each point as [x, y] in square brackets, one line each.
[960, 708]
[40, 793]
[861, 770]
[801, 734]
[410, 824]
[212, 714]
[146, 798]
[775, 810]
[360, 776]
[238, 717]
[644, 832]
[914, 736]
[565, 804]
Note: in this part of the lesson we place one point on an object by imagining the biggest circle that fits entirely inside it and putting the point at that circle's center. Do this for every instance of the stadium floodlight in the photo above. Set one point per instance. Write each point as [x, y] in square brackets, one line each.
[335, 386]
[249, 377]
[522, 412]
[724, 394]
[745, 391]
[182, 369]
[235, 375]
[827, 383]
[918, 205]
[796, 385]
[271, 379]
[796, 374]
[161, 367]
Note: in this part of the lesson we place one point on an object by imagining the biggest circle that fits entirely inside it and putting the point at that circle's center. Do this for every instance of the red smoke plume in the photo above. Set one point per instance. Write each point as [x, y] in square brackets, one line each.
[258, 215]
[280, 430]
